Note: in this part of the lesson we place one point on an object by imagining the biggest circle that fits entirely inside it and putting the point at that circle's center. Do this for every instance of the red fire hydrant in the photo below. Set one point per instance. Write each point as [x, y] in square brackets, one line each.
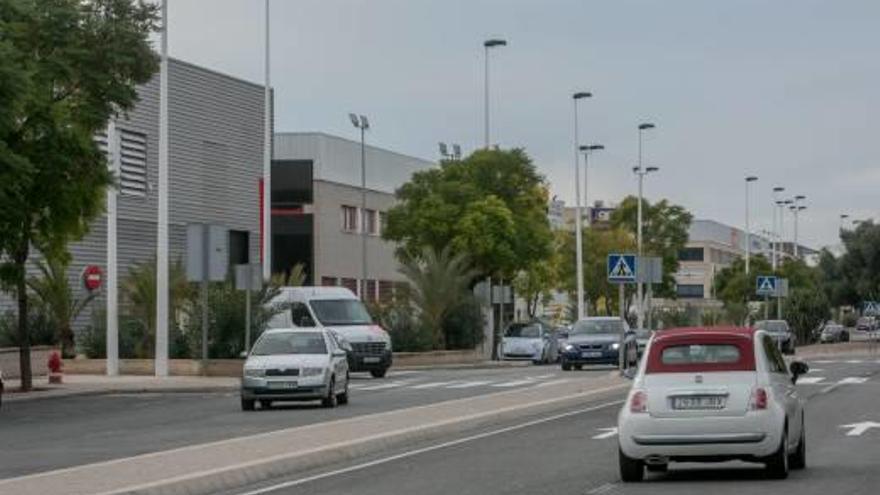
[55, 365]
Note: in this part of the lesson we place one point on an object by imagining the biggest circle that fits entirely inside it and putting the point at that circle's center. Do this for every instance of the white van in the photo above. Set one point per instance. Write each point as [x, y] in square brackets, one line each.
[337, 309]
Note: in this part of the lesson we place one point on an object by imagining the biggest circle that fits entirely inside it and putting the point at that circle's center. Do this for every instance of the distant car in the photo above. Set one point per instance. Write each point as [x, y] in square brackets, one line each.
[642, 336]
[295, 364]
[781, 333]
[596, 340]
[833, 333]
[712, 395]
[561, 334]
[866, 324]
[533, 341]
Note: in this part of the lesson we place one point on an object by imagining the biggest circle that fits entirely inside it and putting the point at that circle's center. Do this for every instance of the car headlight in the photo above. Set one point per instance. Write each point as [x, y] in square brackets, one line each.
[568, 347]
[615, 346]
[254, 372]
[312, 371]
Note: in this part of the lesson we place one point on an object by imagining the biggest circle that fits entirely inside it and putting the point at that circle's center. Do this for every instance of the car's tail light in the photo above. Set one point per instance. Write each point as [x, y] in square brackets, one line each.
[759, 399]
[638, 402]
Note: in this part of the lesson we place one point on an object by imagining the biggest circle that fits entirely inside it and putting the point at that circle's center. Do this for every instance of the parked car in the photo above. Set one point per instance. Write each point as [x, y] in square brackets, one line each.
[561, 334]
[596, 340]
[781, 333]
[338, 309]
[866, 324]
[642, 336]
[534, 341]
[713, 395]
[833, 333]
[295, 364]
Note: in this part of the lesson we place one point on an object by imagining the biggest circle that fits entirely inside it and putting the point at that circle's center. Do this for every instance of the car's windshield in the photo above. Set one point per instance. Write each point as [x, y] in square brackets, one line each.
[340, 312]
[772, 326]
[596, 327]
[273, 344]
[529, 331]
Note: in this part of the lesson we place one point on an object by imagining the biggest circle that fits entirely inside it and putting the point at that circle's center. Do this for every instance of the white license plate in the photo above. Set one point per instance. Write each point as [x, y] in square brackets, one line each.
[281, 385]
[372, 360]
[591, 354]
[699, 402]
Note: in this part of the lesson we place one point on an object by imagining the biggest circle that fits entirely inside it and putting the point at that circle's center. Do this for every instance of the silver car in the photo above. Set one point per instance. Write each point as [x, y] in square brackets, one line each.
[295, 365]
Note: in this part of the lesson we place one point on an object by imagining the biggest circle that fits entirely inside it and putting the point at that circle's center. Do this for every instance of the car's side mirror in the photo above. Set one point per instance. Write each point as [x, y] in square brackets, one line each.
[797, 369]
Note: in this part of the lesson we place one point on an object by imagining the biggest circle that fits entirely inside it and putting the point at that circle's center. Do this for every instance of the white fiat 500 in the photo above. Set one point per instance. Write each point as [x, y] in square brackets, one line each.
[712, 395]
[293, 364]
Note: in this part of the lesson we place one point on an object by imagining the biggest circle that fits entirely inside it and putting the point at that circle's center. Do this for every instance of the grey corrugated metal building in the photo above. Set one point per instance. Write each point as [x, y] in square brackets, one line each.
[215, 166]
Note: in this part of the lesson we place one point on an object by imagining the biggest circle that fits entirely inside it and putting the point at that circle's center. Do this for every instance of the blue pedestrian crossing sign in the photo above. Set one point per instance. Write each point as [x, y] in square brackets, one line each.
[622, 268]
[766, 285]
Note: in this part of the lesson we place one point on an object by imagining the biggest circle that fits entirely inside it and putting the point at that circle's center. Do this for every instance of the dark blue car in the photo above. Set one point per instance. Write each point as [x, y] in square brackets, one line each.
[596, 340]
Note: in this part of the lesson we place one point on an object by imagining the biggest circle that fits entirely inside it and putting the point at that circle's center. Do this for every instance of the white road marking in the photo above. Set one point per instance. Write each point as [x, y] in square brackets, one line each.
[825, 362]
[810, 380]
[431, 448]
[516, 383]
[854, 361]
[386, 386]
[601, 489]
[856, 429]
[469, 384]
[553, 382]
[608, 433]
[816, 370]
[423, 386]
[852, 380]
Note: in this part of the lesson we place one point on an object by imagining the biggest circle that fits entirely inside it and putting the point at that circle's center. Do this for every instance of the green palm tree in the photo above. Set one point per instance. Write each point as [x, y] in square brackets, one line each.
[438, 282]
[53, 290]
[138, 291]
[296, 277]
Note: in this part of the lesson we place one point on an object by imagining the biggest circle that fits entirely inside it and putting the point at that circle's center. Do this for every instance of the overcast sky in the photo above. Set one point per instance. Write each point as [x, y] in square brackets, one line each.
[785, 90]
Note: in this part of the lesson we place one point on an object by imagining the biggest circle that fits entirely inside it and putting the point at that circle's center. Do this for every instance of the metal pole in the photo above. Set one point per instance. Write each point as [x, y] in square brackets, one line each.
[641, 315]
[766, 307]
[363, 291]
[578, 235]
[247, 314]
[773, 237]
[486, 98]
[267, 161]
[586, 212]
[796, 250]
[161, 351]
[206, 267]
[621, 294]
[748, 231]
[113, 149]
[781, 235]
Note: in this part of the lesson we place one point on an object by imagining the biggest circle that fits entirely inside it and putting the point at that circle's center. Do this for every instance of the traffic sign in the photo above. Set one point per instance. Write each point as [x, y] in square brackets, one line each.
[622, 268]
[766, 285]
[92, 277]
[871, 308]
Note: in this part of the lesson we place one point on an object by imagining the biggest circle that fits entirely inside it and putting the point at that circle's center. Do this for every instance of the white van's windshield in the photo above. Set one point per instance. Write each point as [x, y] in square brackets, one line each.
[340, 312]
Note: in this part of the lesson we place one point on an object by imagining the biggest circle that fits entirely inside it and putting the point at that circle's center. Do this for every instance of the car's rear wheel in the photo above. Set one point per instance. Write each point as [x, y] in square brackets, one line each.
[777, 464]
[265, 404]
[566, 366]
[657, 468]
[379, 373]
[578, 367]
[248, 404]
[330, 400]
[343, 397]
[630, 469]
[798, 460]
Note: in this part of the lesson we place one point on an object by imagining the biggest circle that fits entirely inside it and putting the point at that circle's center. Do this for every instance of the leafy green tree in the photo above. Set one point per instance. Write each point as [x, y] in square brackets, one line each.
[598, 244]
[66, 66]
[664, 232]
[732, 286]
[439, 281]
[490, 206]
[536, 283]
[805, 310]
[53, 289]
[857, 271]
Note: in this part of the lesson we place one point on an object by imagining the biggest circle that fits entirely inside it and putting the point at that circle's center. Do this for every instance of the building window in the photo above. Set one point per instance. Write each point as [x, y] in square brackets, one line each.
[350, 284]
[690, 254]
[383, 222]
[239, 244]
[329, 281]
[349, 218]
[372, 227]
[386, 291]
[132, 163]
[370, 293]
[690, 291]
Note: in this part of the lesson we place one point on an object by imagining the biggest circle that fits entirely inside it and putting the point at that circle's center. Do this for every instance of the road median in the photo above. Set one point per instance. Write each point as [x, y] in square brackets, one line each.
[227, 464]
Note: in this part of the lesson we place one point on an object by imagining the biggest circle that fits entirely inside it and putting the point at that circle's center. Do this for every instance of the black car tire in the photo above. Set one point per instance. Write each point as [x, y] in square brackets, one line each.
[248, 404]
[657, 468]
[566, 366]
[330, 401]
[631, 470]
[798, 460]
[777, 463]
[379, 373]
[578, 367]
[265, 404]
[342, 398]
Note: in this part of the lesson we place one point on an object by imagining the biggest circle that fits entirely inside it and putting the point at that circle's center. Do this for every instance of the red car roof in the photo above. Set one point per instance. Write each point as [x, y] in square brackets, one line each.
[741, 337]
[747, 332]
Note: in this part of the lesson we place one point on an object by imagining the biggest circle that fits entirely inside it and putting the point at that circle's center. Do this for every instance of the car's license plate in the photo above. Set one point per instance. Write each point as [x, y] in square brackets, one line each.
[371, 360]
[591, 354]
[282, 385]
[699, 402]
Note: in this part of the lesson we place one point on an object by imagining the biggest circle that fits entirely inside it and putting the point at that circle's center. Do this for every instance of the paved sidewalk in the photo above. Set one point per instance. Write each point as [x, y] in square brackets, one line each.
[862, 348]
[101, 384]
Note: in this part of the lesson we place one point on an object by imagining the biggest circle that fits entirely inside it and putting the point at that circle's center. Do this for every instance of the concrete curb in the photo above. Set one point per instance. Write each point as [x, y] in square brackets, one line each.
[48, 394]
[232, 477]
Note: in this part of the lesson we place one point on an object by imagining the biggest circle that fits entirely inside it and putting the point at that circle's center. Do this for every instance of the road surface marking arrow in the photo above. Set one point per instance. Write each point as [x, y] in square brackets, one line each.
[609, 432]
[856, 429]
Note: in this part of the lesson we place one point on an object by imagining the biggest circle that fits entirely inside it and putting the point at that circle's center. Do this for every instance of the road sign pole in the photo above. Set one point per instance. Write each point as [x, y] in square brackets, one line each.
[779, 307]
[621, 288]
[766, 306]
[206, 255]
[247, 310]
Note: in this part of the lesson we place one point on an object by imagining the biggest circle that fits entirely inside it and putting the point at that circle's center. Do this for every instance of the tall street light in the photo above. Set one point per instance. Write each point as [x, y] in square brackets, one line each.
[160, 362]
[266, 255]
[492, 43]
[363, 124]
[749, 180]
[782, 206]
[774, 244]
[641, 171]
[587, 150]
[579, 255]
[795, 209]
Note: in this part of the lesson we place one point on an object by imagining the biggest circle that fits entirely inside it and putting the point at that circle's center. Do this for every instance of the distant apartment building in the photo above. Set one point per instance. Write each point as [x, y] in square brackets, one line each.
[598, 215]
[317, 218]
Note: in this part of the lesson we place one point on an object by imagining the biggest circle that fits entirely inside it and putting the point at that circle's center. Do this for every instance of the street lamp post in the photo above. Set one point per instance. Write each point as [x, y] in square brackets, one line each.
[586, 149]
[749, 180]
[795, 208]
[160, 362]
[579, 254]
[774, 239]
[363, 124]
[782, 205]
[487, 45]
[641, 171]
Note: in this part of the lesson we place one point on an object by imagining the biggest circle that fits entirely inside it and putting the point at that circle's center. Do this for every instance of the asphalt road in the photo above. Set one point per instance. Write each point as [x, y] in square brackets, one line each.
[51, 434]
[573, 452]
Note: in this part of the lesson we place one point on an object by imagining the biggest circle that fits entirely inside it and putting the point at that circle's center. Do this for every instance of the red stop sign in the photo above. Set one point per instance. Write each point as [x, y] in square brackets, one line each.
[92, 277]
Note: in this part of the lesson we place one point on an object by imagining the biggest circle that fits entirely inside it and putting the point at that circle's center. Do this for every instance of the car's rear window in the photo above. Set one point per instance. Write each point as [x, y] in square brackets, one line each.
[704, 353]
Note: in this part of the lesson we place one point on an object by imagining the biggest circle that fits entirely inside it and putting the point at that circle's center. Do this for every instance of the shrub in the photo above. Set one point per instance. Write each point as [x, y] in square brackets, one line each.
[463, 325]
[41, 329]
[406, 331]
